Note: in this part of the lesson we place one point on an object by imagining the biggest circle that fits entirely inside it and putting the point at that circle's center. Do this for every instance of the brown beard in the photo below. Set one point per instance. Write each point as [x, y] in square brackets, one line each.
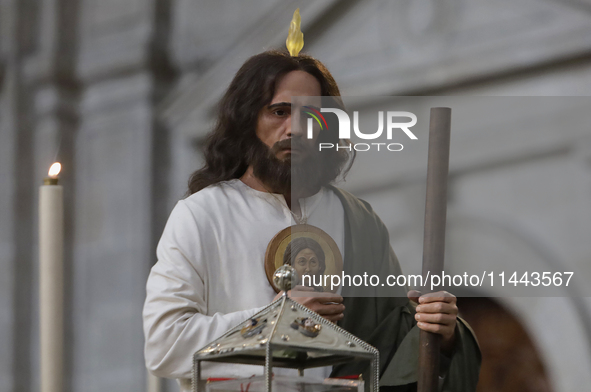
[282, 175]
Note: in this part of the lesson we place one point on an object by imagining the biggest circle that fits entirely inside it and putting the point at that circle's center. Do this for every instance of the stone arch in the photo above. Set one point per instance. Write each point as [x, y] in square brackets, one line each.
[559, 327]
[510, 360]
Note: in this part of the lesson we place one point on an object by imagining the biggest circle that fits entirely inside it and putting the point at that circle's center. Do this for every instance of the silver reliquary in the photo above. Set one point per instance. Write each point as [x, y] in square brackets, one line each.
[289, 335]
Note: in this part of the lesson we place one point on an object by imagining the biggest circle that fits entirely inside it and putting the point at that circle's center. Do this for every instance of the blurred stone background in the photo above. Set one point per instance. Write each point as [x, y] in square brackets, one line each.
[122, 91]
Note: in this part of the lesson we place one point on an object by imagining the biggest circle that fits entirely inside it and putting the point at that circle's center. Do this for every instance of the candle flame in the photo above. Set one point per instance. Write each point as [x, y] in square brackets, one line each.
[55, 169]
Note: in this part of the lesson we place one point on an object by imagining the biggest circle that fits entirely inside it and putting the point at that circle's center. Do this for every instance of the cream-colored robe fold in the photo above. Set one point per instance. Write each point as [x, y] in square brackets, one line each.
[210, 272]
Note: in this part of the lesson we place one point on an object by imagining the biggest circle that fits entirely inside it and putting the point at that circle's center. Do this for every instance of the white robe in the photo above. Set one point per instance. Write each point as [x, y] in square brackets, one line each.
[210, 272]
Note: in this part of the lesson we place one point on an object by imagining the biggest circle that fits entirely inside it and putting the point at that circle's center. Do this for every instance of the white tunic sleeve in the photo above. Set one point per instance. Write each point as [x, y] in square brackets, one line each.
[176, 320]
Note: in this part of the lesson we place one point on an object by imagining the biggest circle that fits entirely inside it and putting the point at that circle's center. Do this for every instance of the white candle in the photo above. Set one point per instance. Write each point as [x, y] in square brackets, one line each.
[51, 300]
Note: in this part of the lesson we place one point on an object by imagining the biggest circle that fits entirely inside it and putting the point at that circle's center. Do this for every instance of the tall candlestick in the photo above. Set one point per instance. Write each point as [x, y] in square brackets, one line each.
[51, 280]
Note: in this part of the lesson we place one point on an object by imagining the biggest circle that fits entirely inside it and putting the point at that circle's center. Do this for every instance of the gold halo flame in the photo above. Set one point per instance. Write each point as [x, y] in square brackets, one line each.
[295, 38]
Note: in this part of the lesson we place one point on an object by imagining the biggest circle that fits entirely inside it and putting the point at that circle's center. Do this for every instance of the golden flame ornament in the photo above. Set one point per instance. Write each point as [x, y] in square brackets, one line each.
[295, 38]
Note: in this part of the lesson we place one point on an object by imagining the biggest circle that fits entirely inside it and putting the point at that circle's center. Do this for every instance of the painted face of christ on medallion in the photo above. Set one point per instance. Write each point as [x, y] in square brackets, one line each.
[308, 259]
[310, 251]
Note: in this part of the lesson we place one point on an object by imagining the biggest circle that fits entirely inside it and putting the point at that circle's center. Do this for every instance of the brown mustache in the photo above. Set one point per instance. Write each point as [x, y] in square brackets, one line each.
[287, 144]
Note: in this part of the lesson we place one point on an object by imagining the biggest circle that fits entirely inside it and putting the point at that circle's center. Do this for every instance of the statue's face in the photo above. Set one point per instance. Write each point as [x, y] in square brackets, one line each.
[306, 263]
[275, 120]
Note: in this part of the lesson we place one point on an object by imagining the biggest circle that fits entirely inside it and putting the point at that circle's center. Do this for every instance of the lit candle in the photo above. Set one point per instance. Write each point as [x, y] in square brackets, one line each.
[51, 299]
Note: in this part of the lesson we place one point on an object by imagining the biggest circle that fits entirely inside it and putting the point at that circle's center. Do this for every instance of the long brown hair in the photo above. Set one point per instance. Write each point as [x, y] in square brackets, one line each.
[253, 87]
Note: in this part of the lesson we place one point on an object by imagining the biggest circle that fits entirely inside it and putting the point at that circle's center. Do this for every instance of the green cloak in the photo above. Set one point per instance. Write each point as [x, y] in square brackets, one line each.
[386, 320]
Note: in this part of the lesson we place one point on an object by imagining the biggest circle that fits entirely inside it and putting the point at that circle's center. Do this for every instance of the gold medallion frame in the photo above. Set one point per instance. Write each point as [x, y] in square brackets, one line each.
[277, 246]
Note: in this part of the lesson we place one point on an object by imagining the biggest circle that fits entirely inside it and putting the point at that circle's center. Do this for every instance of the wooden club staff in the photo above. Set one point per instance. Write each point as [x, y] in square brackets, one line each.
[434, 237]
